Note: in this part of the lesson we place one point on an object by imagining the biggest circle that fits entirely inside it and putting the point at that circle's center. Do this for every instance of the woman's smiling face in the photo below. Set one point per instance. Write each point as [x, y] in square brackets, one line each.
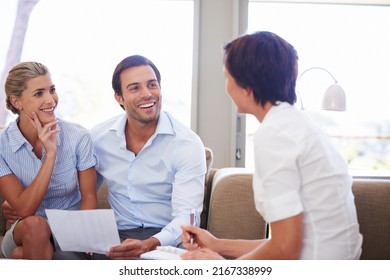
[40, 96]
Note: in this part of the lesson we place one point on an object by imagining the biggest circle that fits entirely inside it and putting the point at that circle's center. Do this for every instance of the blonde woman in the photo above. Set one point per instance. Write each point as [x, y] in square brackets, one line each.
[45, 162]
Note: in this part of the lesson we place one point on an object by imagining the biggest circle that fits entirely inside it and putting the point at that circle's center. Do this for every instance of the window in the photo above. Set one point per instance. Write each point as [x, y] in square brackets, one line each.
[81, 42]
[353, 43]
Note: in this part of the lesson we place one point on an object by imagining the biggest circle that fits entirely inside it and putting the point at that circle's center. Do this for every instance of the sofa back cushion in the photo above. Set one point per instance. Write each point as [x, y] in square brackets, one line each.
[372, 199]
[232, 212]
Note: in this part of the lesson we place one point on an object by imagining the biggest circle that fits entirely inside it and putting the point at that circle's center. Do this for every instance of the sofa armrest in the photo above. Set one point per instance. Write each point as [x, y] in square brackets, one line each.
[232, 212]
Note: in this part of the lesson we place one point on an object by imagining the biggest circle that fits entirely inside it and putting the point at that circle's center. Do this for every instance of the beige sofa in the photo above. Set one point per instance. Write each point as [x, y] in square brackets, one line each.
[232, 214]
[229, 209]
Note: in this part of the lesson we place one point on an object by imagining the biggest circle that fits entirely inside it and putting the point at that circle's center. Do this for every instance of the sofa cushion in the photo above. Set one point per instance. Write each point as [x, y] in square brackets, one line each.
[372, 199]
[207, 187]
[102, 198]
[232, 212]
[209, 163]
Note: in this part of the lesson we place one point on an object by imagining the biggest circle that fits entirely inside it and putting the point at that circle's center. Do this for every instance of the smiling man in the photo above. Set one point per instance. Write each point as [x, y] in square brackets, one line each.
[153, 165]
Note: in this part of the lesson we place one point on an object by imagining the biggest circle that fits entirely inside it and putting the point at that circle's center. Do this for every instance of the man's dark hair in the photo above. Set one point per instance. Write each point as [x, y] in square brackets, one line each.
[128, 62]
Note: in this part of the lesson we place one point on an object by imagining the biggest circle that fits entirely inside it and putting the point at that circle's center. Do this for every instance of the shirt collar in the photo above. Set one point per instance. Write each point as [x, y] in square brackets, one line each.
[18, 139]
[119, 125]
[164, 125]
[278, 106]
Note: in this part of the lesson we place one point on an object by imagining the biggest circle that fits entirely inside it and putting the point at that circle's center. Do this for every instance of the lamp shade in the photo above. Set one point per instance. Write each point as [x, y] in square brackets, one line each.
[334, 99]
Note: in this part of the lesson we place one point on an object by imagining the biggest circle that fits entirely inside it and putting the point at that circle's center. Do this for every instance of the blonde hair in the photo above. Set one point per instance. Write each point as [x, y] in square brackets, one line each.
[18, 77]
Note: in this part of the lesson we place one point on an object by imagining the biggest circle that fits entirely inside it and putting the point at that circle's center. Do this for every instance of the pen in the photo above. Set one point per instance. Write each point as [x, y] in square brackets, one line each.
[192, 223]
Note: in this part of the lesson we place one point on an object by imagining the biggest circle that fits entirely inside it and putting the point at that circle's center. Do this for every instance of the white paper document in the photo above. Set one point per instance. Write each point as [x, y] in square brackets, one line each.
[164, 253]
[92, 231]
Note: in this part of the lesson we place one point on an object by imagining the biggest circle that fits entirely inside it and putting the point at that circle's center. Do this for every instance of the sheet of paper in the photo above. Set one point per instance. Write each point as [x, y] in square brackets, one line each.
[164, 253]
[84, 230]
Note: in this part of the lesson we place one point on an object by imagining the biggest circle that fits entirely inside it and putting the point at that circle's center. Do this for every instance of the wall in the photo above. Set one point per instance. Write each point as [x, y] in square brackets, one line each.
[214, 114]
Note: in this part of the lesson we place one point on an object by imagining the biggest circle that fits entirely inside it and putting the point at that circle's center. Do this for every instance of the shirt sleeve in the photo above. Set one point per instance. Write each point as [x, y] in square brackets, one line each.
[4, 168]
[188, 189]
[277, 176]
[85, 153]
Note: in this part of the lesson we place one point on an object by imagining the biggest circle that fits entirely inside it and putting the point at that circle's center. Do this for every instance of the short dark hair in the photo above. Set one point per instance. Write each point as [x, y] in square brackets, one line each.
[266, 63]
[128, 62]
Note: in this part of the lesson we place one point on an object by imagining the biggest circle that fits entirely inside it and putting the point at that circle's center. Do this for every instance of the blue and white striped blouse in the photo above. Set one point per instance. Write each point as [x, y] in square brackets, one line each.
[75, 153]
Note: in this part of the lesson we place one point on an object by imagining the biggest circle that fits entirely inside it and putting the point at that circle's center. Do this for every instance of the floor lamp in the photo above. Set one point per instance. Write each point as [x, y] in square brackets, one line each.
[334, 98]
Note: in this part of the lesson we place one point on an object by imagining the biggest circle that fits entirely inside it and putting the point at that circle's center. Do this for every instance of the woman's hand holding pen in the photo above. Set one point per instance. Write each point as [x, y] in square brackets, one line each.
[201, 238]
[202, 245]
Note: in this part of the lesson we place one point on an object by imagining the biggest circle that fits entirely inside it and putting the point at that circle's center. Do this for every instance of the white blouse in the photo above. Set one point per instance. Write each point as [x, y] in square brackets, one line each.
[297, 170]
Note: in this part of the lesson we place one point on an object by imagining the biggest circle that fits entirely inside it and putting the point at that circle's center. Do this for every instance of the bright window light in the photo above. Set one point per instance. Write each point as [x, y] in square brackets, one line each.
[81, 42]
[353, 43]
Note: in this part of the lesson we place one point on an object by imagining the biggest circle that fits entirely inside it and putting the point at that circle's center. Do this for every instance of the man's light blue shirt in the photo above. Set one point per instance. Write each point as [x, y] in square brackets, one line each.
[74, 153]
[158, 187]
